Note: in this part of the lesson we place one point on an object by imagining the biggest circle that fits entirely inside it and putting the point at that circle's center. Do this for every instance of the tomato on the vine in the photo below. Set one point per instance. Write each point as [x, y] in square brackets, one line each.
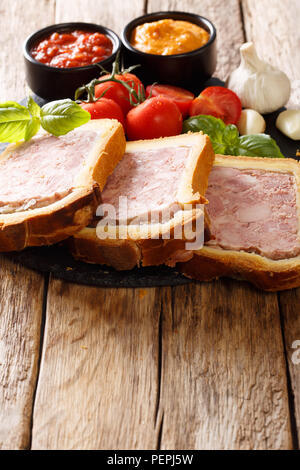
[179, 96]
[117, 92]
[219, 102]
[104, 108]
[156, 117]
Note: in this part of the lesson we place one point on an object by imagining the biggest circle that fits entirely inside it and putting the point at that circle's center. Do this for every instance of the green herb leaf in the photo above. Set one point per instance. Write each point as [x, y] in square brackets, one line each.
[33, 108]
[231, 139]
[61, 117]
[261, 145]
[34, 124]
[208, 124]
[222, 138]
[226, 139]
[32, 128]
[14, 120]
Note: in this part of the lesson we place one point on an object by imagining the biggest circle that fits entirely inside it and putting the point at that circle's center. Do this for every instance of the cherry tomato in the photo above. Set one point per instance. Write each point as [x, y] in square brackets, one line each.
[105, 109]
[117, 92]
[219, 102]
[179, 96]
[156, 117]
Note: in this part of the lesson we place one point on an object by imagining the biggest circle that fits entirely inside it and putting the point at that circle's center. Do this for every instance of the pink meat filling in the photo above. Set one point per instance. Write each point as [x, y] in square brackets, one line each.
[43, 170]
[254, 211]
[148, 180]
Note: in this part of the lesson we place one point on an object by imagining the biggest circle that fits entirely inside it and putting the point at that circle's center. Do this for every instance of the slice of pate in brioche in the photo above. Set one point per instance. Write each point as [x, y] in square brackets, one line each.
[157, 190]
[254, 208]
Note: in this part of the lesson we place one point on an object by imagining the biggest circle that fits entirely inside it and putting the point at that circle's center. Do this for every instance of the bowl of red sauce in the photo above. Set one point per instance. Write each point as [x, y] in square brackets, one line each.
[63, 57]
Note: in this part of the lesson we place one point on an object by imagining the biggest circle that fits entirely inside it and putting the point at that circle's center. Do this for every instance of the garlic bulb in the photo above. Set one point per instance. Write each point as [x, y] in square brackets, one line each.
[251, 122]
[259, 85]
[288, 122]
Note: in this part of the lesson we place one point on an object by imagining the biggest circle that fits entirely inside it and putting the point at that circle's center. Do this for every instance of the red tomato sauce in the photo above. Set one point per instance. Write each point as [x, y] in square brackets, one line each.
[73, 49]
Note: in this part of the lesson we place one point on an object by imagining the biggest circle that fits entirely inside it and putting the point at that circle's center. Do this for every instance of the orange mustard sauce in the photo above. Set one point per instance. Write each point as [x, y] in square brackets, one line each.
[168, 37]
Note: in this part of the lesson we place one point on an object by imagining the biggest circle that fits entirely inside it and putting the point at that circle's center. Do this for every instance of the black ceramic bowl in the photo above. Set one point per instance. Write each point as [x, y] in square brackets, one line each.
[189, 70]
[57, 83]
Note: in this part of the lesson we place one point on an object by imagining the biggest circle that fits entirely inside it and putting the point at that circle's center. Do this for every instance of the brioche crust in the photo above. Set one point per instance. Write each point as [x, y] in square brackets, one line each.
[270, 275]
[125, 254]
[139, 248]
[63, 218]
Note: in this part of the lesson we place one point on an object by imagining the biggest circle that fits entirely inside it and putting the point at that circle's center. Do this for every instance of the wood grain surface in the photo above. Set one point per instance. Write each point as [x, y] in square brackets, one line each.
[114, 14]
[276, 36]
[289, 305]
[21, 308]
[18, 20]
[99, 367]
[21, 299]
[205, 366]
[274, 28]
[229, 38]
[223, 370]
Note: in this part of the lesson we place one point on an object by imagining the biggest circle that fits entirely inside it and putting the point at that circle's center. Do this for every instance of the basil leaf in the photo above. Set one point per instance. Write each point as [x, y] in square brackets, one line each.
[231, 139]
[208, 124]
[34, 124]
[61, 117]
[32, 128]
[226, 140]
[14, 119]
[258, 145]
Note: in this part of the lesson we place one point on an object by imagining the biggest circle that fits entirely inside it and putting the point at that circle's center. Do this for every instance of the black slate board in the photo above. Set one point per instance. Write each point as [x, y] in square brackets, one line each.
[57, 261]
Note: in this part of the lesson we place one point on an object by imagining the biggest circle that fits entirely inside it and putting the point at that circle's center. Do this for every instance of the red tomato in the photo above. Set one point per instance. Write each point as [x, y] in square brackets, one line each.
[117, 92]
[219, 102]
[179, 96]
[104, 109]
[156, 117]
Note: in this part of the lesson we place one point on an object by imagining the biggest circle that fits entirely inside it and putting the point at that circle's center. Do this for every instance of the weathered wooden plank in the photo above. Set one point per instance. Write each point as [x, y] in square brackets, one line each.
[223, 370]
[21, 299]
[290, 309]
[275, 31]
[274, 28]
[21, 294]
[98, 382]
[227, 19]
[100, 354]
[18, 20]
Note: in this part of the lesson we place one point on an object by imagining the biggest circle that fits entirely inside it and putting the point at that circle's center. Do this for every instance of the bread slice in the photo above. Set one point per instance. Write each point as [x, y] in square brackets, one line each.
[261, 242]
[50, 186]
[161, 177]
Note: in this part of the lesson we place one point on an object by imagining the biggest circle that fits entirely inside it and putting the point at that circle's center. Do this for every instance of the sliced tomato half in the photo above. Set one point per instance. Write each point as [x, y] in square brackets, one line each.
[181, 97]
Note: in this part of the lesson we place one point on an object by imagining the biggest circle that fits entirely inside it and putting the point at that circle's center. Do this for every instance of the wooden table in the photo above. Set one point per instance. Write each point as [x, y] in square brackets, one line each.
[206, 366]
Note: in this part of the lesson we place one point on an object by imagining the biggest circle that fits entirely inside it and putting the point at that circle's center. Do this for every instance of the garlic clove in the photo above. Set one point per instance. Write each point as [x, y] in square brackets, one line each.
[259, 85]
[288, 122]
[251, 122]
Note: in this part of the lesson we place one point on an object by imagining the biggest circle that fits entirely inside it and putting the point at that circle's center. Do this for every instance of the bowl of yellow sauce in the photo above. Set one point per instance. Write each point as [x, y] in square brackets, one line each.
[173, 47]
[168, 37]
